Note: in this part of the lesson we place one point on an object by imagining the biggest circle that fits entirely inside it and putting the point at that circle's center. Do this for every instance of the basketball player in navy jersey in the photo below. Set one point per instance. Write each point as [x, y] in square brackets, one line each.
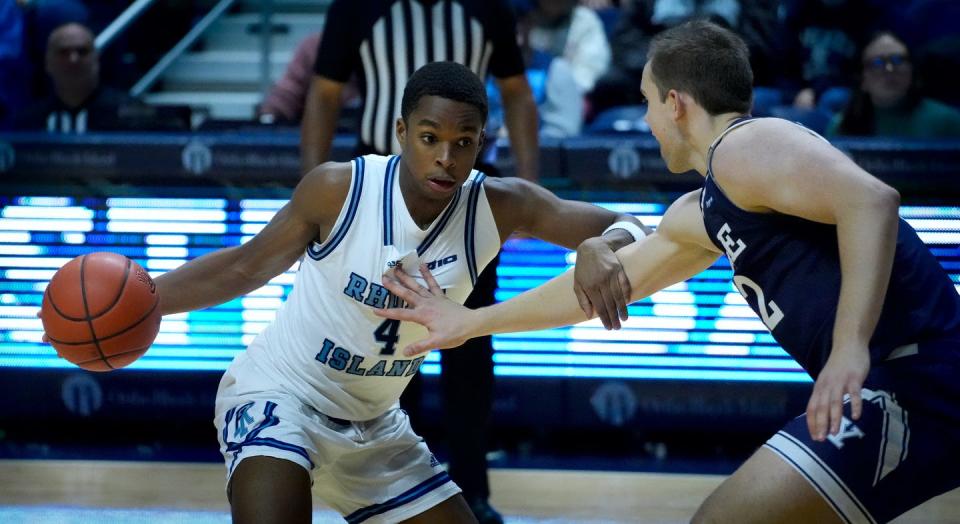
[820, 254]
[313, 400]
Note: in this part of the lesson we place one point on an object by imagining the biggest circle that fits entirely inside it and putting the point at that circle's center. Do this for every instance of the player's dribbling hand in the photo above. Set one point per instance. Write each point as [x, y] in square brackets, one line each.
[844, 373]
[427, 306]
[601, 285]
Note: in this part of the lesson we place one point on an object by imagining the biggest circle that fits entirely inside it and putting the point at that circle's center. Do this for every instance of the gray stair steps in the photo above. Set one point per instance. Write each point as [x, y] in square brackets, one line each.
[287, 6]
[236, 32]
[221, 105]
[238, 68]
[221, 76]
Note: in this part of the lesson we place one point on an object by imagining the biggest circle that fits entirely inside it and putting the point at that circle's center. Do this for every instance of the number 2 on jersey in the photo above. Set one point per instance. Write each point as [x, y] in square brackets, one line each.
[386, 333]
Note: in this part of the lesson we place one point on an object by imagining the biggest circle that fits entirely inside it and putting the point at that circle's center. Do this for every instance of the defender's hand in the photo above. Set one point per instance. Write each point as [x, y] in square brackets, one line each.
[601, 285]
[844, 374]
[445, 320]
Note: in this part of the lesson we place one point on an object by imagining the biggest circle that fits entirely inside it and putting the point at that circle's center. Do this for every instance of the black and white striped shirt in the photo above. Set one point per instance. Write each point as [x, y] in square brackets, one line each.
[101, 111]
[385, 41]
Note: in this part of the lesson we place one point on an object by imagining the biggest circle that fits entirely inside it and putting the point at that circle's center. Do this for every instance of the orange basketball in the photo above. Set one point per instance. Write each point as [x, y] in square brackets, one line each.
[101, 311]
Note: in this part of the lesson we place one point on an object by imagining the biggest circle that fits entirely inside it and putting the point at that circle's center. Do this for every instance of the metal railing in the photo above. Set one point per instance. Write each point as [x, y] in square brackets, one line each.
[138, 7]
[121, 23]
[188, 40]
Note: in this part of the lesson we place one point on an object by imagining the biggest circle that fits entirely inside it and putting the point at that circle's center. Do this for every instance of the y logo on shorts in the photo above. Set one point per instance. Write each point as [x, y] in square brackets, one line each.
[847, 430]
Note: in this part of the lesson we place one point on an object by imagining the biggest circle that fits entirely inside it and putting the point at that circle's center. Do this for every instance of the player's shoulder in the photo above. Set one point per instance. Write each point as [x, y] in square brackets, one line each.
[327, 183]
[329, 174]
[760, 147]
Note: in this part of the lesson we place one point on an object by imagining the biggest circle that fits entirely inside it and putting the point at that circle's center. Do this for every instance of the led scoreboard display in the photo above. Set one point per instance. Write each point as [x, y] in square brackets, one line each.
[700, 329]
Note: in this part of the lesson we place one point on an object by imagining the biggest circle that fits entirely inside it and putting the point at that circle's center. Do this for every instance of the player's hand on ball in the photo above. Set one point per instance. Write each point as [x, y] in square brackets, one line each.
[444, 319]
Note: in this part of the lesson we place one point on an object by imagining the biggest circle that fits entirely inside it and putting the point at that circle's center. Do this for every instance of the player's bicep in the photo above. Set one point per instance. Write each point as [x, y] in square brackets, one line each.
[539, 213]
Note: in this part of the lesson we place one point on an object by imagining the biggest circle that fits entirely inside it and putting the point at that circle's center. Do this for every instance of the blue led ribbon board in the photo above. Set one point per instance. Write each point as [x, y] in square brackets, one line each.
[700, 329]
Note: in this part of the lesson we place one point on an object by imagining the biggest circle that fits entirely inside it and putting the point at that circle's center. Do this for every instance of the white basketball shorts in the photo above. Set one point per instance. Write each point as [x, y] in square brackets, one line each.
[374, 471]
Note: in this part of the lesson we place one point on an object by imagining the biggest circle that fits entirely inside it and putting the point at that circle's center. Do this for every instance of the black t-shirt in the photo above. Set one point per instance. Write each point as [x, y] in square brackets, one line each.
[384, 41]
[99, 112]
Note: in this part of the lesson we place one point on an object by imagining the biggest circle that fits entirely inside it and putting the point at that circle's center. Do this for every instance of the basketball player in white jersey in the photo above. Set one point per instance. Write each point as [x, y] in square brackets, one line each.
[313, 401]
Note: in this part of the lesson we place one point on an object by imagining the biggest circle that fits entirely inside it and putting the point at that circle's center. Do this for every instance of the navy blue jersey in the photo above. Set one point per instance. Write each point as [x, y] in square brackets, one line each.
[788, 270]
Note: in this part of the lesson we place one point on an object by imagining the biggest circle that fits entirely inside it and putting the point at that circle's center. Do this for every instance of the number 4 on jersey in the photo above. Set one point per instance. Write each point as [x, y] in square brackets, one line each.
[386, 333]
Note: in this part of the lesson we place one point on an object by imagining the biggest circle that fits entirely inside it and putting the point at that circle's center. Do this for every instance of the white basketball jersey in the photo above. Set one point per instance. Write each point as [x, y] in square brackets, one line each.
[326, 346]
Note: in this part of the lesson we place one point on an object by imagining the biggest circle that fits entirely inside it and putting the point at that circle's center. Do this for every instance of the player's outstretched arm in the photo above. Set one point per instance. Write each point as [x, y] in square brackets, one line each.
[600, 284]
[228, 273]
[776, 166]
[672, 254]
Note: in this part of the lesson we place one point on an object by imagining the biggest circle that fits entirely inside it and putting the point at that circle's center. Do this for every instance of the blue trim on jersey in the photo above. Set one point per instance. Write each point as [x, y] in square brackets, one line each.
[339, 234]
[435, 232]
[471, 222]
[388, 200]
[406, 497]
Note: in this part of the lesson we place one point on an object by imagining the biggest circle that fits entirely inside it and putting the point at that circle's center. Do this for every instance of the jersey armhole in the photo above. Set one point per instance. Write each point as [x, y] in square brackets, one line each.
[318, 250]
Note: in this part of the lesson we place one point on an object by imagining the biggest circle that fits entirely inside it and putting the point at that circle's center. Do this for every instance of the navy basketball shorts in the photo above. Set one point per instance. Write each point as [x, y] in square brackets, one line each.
[904, 450]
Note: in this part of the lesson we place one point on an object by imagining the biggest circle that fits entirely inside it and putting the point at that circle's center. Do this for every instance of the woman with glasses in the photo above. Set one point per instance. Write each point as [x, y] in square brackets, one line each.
[889, 101]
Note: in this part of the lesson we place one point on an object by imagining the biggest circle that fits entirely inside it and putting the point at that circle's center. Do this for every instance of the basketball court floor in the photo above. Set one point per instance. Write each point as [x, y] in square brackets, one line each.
[87, 492]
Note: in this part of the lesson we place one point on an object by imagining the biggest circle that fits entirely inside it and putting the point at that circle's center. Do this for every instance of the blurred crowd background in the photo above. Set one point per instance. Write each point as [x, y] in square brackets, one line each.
[840, 67]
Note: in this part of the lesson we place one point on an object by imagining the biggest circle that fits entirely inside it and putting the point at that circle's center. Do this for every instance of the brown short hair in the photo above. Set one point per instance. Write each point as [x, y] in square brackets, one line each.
[707, 61]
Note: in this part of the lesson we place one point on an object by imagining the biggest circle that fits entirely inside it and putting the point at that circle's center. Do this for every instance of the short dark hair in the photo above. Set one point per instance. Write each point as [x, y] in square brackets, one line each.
[707, 61]
[448, 80]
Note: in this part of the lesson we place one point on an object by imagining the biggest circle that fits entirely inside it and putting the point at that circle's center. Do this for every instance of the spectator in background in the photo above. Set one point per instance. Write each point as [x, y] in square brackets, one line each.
[639, 22]
[569, 43]
[889, 101]
[600, 4]
[13, 83]
[929, 27]
[820, 42]
[40, 18]
[286, 100]
[78, 102]
[759, 26]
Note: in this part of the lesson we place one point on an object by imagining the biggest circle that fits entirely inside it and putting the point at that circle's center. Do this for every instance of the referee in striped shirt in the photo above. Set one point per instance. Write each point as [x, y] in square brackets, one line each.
[383, 42]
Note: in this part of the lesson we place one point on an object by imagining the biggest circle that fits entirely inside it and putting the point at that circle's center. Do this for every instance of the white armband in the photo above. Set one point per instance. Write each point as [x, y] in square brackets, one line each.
[635, 231]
